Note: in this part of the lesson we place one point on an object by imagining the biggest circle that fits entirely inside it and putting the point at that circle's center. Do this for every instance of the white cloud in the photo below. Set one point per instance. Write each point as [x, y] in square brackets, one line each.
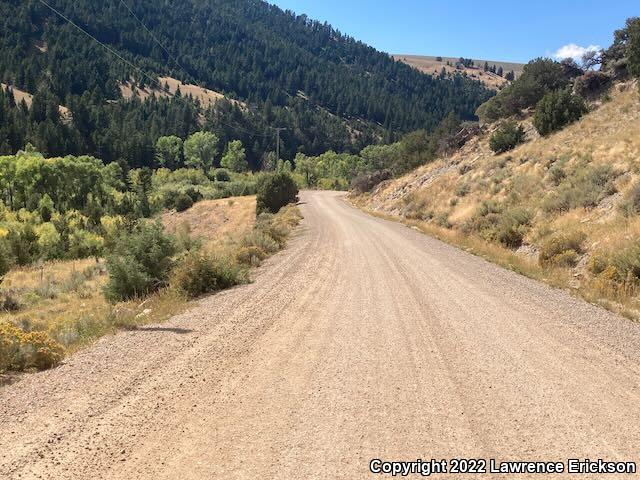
[574, 51]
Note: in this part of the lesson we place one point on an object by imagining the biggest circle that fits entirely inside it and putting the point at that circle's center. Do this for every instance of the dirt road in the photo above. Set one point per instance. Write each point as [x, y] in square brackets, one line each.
[364, 339]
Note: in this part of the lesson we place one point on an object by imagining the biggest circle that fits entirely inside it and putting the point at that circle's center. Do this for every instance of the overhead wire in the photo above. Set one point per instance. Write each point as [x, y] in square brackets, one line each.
[106, 47]
[154, 80]
[171, 56]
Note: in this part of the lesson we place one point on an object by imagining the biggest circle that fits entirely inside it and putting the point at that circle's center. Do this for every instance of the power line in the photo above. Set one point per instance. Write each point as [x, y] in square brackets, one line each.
[171, 56]
[106, 47]
[278, 130]
[155, 80]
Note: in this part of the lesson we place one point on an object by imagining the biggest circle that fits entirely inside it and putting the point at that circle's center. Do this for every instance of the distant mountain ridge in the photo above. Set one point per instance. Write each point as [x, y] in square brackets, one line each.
[433, 65]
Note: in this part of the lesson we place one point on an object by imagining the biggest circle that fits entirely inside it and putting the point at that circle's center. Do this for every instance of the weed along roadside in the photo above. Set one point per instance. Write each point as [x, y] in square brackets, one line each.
[149, 275]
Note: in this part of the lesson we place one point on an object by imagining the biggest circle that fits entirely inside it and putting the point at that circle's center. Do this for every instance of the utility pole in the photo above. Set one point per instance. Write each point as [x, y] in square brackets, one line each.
[278, 129]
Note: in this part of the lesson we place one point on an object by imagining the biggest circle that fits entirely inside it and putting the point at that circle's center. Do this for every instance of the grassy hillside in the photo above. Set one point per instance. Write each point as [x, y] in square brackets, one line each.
[564, 208]
[434, 65]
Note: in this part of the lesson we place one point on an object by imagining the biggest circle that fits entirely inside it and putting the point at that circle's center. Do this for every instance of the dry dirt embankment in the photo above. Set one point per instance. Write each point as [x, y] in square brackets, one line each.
[363, 339]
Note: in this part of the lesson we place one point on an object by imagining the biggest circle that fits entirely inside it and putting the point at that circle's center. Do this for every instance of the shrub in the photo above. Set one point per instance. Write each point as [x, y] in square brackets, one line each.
[6, 258]
[83, 243]
[9, 301]
[586, 188]
[222, 175]
[494, 224]
[20, 350]
[45, 208]
[48, 289]
[539, 77]
[49, 241]
[23, 244]
[562, 250]
[591, 83]
[250, 256]
[557, 109]
[631, 203]
[140, 263]
[513, 226]
[621, 266]
[74, 283]
[275, 229]
[183, 202]
[366, 183]
[507, 137]
[463, 189]
[168, 197]
[269, 236]
[261, 241]
[200, 273]
[276, 191]
[557, 174]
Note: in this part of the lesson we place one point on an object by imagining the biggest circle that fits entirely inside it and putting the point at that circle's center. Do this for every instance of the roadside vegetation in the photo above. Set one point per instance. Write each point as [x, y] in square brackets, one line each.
[86, 250]
[550, 186]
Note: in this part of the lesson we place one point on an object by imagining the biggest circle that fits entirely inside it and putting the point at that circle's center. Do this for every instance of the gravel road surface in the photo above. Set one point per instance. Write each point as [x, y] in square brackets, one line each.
[363, 339]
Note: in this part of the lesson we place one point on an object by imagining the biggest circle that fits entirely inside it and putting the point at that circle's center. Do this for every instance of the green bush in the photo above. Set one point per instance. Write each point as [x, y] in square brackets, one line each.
[494, 224]
[562, 250]
[557, 109]
[260, 240]
[222, 175]
[633, 45]
[585, 188]
[23, 244]
[6, 258]
[507, 137]
[513, 226]
[539, 77]
[276, 191]
[463, 189]
[200, 273]
[140, 263]
[620, 266]
[183, 202]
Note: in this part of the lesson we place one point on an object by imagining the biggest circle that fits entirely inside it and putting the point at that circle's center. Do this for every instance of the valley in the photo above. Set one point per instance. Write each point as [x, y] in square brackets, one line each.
[237, 242]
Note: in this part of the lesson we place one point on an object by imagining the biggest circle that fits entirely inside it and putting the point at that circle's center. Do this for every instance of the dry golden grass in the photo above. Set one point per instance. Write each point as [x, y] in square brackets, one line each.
[20, 95]
[451, 190]
[431, 66]
[205, 96]
[214, 220]
[65, 298]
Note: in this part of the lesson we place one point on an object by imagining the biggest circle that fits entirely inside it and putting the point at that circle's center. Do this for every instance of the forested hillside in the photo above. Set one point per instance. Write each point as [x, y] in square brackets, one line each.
[329, 90]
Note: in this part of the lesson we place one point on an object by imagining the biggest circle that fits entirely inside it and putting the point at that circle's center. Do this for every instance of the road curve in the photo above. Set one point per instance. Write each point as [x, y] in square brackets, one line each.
[363, 339]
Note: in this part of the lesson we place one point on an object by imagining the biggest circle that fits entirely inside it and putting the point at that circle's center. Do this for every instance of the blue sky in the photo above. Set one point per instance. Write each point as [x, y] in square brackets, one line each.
[491, 29]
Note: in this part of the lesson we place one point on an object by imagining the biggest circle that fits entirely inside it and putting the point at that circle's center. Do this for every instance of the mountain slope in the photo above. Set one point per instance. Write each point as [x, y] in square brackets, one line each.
[568, 202]
[291, 70]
